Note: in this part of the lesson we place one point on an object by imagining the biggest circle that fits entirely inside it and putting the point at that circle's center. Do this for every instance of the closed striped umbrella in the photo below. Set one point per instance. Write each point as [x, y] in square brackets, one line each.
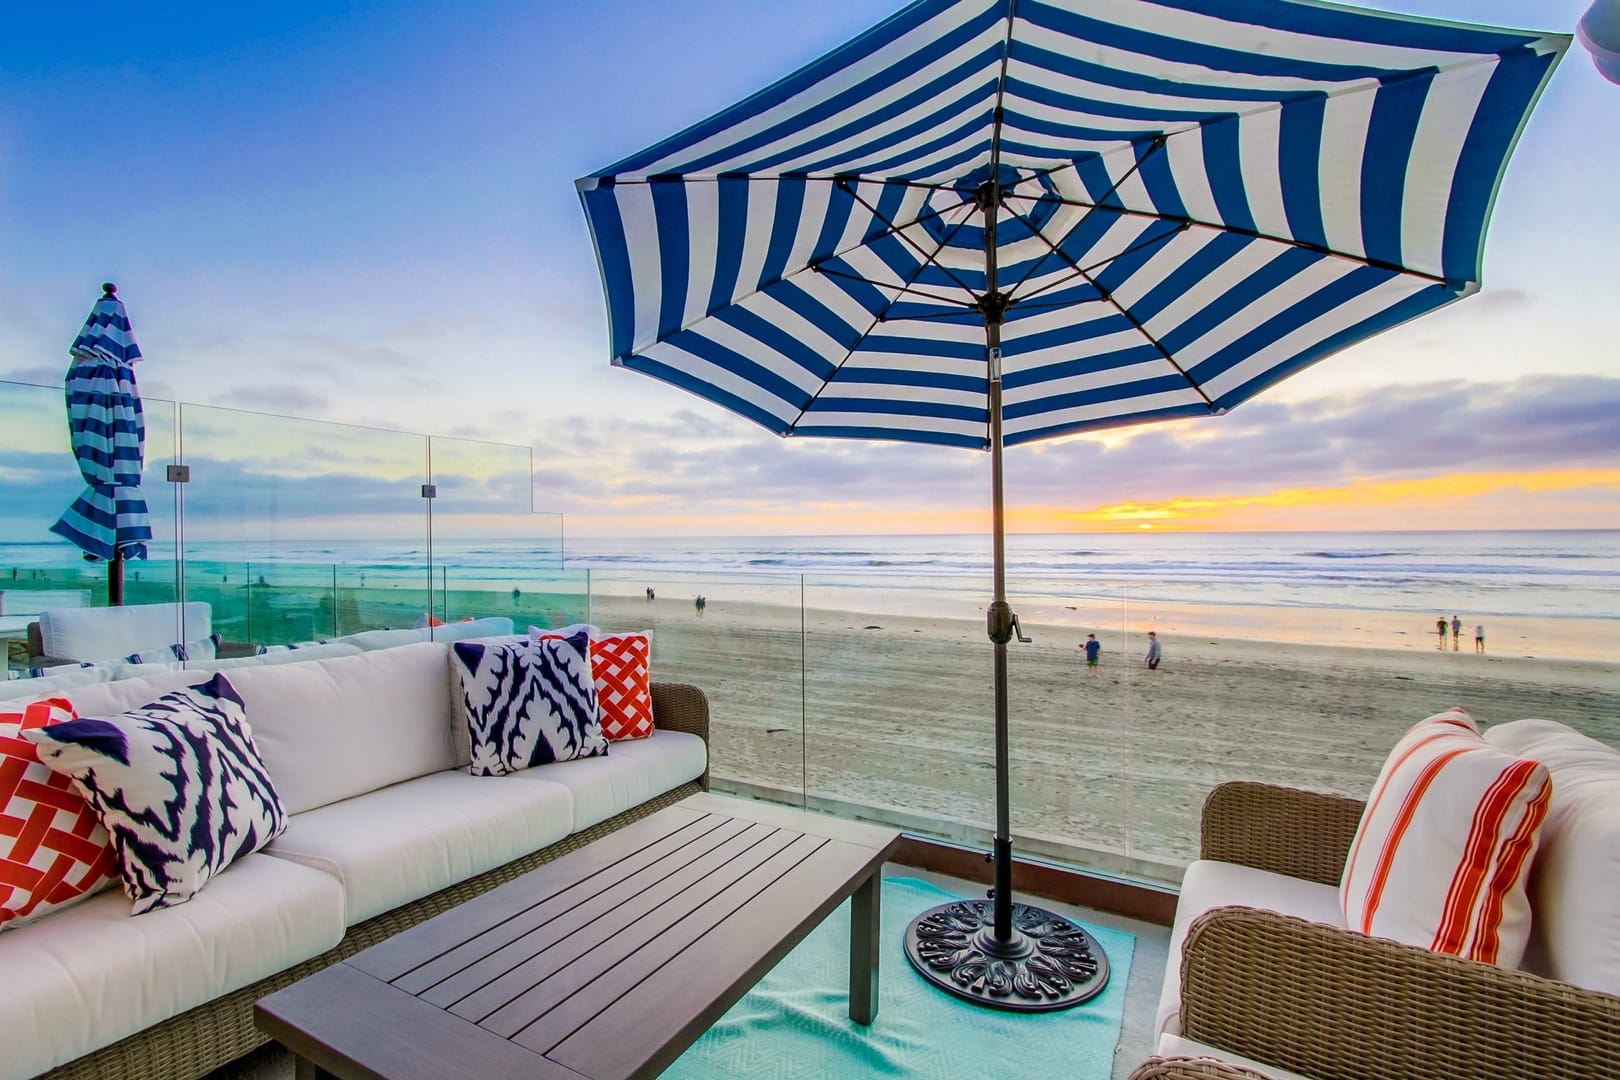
[109, 520]
[987, 222]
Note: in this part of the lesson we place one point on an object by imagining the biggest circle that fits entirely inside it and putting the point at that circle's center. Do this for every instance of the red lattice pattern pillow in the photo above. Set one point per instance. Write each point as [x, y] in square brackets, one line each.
[623, 685]
[53, 850]
[620, 665]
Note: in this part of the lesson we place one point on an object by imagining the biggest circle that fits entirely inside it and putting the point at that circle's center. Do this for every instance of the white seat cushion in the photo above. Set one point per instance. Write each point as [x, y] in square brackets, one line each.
[632, 771]
[92, 974]
[332, 729]
[1210, 884]
[1176, 1046]
[1575, 934]
[400, 843]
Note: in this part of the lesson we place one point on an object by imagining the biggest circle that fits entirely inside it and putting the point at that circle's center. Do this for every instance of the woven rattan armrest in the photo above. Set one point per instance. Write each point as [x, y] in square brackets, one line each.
[231, 650]
[1338, 1005]
[682, 707]
[1301, 834]
[1187, 1068]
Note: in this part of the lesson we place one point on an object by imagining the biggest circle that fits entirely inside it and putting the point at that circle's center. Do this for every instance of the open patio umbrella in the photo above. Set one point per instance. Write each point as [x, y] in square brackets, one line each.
[987, 222]
[109, 521]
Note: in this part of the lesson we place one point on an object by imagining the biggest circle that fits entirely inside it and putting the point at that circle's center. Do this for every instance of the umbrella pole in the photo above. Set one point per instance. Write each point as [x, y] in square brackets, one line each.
[971, 948]
[115, 578]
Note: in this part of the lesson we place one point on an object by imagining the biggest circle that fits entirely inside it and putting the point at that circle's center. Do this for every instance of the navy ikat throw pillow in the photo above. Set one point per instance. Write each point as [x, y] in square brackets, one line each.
[528, 703]
[178, 784]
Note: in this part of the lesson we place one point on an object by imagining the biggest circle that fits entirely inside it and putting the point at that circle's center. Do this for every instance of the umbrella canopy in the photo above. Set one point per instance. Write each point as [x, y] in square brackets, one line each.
[1197, 198]
[986, 222]
[109, 520]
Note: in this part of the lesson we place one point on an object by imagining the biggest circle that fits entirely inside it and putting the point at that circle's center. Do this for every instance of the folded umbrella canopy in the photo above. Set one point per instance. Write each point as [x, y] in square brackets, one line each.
[987, 222]
[108, 430]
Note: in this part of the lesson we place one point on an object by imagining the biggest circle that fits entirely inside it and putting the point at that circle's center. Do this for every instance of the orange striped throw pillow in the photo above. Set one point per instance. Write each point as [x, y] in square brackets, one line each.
[1442, 856]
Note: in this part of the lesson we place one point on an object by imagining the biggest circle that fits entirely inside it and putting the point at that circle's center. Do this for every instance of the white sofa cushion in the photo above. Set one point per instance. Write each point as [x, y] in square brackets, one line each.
[632, 772]
[1208, 885]
[403, 842]
[91, 975]
[1176, 1046]
[332, 729]
[65, 677]
[112, 633]
[122, 695]
[1575, 935]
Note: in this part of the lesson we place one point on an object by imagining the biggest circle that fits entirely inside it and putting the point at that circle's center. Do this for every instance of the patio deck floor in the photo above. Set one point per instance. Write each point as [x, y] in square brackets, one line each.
[1136, 1033]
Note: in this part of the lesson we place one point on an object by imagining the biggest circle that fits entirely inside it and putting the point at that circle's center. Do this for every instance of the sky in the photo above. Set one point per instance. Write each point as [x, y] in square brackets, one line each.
[364, 213]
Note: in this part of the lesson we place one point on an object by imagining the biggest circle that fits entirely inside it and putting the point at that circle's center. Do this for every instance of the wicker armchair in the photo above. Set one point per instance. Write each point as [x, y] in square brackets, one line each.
[1337, 1005]
[1186, 1068]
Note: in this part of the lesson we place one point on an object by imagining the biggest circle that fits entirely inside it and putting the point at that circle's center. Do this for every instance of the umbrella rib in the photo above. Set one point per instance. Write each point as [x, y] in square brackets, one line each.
[1253, 234]
[879, 317]
[1108, 295]
[897, 230]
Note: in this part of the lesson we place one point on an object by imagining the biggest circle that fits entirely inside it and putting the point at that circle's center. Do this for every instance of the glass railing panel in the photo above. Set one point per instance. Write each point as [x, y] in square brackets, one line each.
[492, 554]
[899, 706]
[330, 517]
[544, 598]
[743, 646]
[1070, 740]
[1306, 694]
[39, 479]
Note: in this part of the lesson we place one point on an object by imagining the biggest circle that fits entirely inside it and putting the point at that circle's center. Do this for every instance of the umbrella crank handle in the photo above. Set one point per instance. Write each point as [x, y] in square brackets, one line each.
[1002, 624]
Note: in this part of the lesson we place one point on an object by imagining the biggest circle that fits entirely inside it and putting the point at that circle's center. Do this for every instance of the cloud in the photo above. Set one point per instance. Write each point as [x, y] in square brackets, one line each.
[275, 398]
[40, 375]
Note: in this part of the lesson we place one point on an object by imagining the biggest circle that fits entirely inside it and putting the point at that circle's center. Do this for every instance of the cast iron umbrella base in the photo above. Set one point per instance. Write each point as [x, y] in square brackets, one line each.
[1048, 963]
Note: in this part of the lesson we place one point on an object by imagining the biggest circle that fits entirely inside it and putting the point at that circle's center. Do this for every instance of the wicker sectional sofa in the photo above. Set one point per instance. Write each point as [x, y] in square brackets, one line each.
[1262, 970]
[386, 829]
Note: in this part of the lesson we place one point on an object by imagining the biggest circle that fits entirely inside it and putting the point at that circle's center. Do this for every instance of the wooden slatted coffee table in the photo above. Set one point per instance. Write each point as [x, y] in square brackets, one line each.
[606, 963]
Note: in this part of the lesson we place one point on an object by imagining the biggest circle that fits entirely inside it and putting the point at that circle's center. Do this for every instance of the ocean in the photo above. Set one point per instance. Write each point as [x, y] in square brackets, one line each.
[1266, 583]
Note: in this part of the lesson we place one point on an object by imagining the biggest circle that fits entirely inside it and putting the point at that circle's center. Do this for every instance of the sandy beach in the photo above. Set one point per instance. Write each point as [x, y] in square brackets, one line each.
[895, 712]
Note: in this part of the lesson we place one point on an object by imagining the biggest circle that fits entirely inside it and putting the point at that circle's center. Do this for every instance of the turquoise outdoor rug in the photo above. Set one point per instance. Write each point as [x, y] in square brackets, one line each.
[795, 1023]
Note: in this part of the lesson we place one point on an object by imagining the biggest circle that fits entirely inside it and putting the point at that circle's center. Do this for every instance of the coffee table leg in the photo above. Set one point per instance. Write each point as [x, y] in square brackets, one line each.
[863, 949]
[304, 1069]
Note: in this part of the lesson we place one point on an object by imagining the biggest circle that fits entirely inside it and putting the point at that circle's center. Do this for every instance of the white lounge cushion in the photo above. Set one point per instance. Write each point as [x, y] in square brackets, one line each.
[92, 974]
[112, 633]
[1176, 1046]
[491, 626]
[632, 771]
[332, 729]
[1209, 884]
[369, 640]
[1575, 934]
[403, 842]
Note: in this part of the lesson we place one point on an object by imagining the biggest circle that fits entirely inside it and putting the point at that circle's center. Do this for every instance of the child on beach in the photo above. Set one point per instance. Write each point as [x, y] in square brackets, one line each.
[1153, 651]
[1479, 638]
[1440, 628]
[1093, 651]
[1456, 631]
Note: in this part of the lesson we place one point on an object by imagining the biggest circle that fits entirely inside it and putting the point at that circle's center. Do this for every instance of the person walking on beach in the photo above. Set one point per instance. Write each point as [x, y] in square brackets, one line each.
[1440, 628]
[1479, 637]
[1093, 651]
[700, 603]
[1153, 652]
[1456, 631]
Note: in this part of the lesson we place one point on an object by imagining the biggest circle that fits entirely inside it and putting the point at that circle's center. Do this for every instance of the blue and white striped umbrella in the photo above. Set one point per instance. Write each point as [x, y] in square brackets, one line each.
[1193, 200]
[986, 222]
[109, 436]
